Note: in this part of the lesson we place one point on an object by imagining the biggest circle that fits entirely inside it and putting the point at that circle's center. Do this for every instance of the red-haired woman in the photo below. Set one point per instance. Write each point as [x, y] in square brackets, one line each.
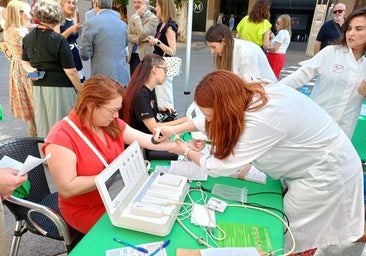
[74, 165]
[286, 135]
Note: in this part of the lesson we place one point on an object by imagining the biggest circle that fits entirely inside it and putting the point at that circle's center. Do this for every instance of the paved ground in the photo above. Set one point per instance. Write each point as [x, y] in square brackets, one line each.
[201, 64]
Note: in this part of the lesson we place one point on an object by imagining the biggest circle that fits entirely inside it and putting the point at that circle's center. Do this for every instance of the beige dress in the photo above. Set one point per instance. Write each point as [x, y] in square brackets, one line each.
[20, 87]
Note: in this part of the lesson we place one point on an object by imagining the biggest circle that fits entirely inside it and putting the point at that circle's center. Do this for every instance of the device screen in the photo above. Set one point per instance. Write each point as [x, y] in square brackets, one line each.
[114, 184]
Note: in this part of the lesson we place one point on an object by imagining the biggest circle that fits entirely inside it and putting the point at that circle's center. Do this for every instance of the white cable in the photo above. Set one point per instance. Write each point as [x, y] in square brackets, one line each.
[202, 241]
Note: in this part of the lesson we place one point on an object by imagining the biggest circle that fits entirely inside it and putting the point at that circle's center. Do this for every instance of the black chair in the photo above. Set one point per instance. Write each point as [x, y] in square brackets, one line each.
[38, 212]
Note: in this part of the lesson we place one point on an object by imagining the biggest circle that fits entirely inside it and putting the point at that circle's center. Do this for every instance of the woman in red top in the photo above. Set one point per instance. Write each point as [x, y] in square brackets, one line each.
[74, 165]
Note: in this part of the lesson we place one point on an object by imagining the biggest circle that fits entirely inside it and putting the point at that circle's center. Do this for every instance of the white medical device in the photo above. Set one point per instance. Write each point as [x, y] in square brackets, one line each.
[139, 201]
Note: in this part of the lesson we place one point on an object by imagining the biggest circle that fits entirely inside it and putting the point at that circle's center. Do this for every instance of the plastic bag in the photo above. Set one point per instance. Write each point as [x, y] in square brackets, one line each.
[230, 193]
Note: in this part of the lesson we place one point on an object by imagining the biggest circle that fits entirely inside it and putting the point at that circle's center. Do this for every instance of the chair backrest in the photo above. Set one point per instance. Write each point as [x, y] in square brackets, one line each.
[19, 149]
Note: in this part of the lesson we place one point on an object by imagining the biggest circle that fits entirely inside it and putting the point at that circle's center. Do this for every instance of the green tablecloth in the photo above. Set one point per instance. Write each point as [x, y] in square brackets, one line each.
[359, 137]
[100, 237]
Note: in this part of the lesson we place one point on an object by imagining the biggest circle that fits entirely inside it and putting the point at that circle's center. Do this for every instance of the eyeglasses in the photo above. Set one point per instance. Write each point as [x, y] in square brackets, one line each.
[113, 111]
[338, 11]
[164, 68]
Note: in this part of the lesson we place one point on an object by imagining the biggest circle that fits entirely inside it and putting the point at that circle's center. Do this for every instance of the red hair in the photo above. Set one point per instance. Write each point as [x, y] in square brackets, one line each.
[99, 89]
[230, 97]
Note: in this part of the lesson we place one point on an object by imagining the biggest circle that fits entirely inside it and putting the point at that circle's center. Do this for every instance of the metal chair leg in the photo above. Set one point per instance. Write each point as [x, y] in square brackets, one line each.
[20, 229]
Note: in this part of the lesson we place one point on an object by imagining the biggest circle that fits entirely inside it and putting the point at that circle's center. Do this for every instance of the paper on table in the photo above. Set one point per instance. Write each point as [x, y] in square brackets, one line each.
[25, 167]
[247, 251]
[188, 169]
[256, 175]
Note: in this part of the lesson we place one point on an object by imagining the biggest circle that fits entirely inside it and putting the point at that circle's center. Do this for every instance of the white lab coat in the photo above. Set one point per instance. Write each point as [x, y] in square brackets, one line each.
[292, 138]
[339, 76]
[250, 62]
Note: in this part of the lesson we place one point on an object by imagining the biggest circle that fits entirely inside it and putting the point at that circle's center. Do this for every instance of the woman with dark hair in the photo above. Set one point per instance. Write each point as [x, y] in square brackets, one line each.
[256, 26]
[340, 69]
[165, 44]
[242, 57]
[140, 109]
[48, 51]
[289, 137]
[74, 163]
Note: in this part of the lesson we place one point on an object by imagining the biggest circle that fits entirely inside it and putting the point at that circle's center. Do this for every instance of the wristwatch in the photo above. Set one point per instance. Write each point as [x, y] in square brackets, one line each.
[158, 43]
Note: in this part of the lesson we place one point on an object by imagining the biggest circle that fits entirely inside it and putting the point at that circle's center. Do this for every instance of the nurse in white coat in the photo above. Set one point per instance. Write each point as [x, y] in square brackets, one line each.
[288, 136]
[341, 69]
[242, 57]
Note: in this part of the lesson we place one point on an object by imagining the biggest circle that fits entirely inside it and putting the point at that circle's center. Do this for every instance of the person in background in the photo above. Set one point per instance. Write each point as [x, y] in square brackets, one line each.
[104, 41]
[242, 57]
[143, 23]
[48, 51]
[341, 71]
[165, 44]
[331, 30]
[140, 109]
[256, 27]
[91, 12]
[9, 181]
[74, 165]
[220, 18]
[232, 22]
[69, 29]
[303, 147]
[3, 14]
[276, 52]
[20, 87]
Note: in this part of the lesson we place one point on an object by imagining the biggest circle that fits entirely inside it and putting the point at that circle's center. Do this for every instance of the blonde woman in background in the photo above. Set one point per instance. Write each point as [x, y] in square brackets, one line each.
[256, 27]
[165, 44]
[276, 53]
[20, 87]
[70, 30]
[3, 5]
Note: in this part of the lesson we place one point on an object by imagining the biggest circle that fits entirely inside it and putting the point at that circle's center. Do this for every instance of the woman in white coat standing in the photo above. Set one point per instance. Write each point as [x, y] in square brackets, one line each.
[340, 88]
[288, 136]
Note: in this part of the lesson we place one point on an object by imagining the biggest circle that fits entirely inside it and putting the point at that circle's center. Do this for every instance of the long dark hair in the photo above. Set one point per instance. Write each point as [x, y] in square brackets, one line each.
[138, 80]
[217, 33]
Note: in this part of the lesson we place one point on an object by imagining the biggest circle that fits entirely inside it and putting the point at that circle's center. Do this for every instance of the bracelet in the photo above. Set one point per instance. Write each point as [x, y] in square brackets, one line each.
[186, 152]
